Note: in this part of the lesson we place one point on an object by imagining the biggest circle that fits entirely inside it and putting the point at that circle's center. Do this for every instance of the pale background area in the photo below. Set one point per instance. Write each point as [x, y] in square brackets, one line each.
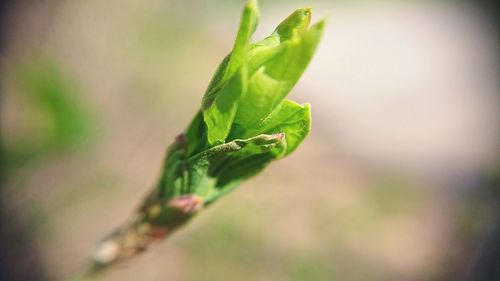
[387, 187]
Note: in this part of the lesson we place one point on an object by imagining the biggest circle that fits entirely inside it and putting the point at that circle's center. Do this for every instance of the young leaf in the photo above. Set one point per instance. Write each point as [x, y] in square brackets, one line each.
[219, 169]
[274, 79]
[173, 181]
[220, 102]
[196, 135]
[290, 118]
[296, 23]
[219, 117]
[248, 25]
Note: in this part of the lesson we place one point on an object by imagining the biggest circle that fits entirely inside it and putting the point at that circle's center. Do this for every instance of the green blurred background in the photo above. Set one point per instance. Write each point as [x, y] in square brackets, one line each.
[398, 180]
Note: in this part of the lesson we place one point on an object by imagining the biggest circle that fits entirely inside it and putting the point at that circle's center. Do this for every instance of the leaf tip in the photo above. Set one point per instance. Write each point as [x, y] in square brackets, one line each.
[252, 4]
[320, 25]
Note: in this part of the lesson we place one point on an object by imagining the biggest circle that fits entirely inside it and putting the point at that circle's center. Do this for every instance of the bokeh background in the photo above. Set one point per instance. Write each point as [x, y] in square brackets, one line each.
[398, 180]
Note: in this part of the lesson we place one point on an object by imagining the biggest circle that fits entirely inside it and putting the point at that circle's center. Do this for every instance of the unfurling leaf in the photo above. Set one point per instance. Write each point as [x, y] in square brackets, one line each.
[254, 79]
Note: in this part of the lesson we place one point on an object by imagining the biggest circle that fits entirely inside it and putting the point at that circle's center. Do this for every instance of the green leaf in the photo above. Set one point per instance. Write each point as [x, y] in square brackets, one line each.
[248, 25]
[220, 102]
[174, 179]
[273, 80]
[290, 118]
[215, 84]
[297, 22]
[219, 117]
[196, 135]
[219, 169]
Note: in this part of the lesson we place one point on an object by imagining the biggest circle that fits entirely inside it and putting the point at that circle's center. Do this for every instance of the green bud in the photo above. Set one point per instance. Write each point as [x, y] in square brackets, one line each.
[243, 125]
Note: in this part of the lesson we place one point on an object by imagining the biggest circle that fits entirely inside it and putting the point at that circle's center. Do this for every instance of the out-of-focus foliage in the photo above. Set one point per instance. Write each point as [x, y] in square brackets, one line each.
[55, 116]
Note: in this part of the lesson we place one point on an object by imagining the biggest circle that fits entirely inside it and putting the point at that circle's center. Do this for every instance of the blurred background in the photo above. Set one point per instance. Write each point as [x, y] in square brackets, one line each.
[398, 180]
